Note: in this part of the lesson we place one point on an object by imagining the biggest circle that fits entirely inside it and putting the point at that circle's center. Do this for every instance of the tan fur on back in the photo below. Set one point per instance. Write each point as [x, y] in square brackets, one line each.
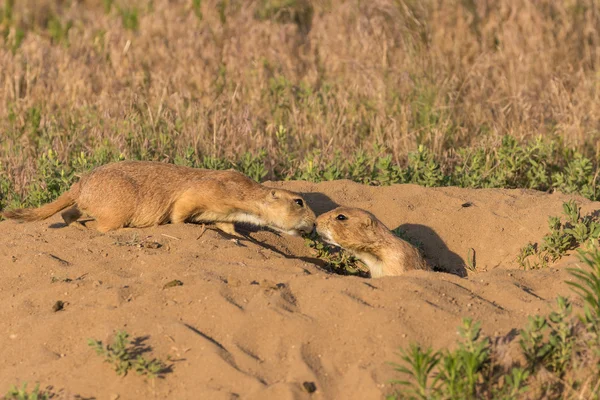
[362, 234]
[146, 193]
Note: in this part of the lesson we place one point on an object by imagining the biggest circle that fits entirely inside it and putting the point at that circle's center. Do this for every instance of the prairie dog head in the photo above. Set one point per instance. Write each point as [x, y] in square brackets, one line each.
[353, 229]
[288, 212]
[363, 235]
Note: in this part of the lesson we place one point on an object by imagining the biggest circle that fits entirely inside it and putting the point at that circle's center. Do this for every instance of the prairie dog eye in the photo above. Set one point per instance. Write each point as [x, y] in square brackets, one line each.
[341, 217]
[299, 202]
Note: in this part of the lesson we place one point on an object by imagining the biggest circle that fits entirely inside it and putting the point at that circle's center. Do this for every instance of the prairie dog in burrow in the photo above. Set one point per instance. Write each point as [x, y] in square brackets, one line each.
[140, 194]
[368, 239]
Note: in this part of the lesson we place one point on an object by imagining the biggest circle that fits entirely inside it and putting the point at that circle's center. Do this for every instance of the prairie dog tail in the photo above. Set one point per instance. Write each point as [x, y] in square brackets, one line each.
[36, 214]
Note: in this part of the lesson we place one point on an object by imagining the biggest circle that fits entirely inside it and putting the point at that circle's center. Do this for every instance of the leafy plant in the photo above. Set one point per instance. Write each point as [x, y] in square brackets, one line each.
[420, 364]
[561, 353]
[124, 357]
[15, 393]
[575, 232]
[253, 166]
[513, 164]
[336, 260]
[457, 373]
[587, 286]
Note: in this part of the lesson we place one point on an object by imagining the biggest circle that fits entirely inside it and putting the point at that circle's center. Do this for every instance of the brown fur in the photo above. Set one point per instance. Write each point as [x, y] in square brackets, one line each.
[146, 193]
[362, 234]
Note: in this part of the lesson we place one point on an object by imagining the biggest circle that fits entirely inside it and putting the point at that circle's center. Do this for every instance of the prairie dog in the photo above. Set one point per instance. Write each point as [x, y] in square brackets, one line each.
[148, 193]
[368, 239]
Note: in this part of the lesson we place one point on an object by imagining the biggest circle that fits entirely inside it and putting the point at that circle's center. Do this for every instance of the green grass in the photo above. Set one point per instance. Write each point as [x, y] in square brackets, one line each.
[561, 353]
[541, 165]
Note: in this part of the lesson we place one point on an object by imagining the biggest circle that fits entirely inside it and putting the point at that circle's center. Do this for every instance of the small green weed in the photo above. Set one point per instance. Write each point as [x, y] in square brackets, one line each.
[421, 364]
[15, 393]
[124, 357]
[458, 372]
[576, 231]
[587, 286]
[336, 260]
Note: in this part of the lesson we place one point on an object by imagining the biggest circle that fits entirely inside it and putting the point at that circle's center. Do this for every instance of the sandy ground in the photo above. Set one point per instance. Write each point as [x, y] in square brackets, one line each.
[256, 320]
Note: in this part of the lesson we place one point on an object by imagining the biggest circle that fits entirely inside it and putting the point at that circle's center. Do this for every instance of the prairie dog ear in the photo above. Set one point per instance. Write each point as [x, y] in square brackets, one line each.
[274, 194]
[368, 221]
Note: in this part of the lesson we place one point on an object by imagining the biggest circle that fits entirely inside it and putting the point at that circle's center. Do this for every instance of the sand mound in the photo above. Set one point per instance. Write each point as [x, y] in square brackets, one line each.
[255, 320]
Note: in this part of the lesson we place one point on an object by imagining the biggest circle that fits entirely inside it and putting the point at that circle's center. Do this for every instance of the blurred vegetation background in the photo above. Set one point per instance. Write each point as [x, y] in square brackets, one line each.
[476, 93]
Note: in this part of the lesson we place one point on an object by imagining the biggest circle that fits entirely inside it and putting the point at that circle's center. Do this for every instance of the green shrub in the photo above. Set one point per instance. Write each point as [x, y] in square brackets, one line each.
[576, 231]
[123, 356]
[15, 393]
[561, 353]
[537, 165]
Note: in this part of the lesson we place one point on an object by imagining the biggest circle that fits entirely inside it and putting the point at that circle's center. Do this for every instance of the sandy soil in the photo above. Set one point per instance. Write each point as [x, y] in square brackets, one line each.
[256, 320]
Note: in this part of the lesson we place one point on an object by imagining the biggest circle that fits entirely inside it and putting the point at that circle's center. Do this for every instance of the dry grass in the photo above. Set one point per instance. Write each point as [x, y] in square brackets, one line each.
[152, 79]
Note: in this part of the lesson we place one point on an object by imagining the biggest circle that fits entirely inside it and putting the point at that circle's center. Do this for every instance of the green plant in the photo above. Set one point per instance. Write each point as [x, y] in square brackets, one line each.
[460, 370]
[514, 385]
[587, 286]
[53, 179]
[575, 232]
[458, 373]
[579, 176]
[197, 7]
[59, 32]
[253, 166]
[420, 363]
[129, 18]
[338, 260]
[561, 337]
[124, 357]
[15, 393]
[561, 353]
[423, 169]
[500, 167]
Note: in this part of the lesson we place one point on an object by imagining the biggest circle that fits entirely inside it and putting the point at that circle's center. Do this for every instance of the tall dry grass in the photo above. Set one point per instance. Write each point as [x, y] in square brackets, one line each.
[151, 79]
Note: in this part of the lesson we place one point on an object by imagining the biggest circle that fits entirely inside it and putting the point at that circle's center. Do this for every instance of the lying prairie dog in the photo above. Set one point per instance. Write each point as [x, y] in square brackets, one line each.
[146, 193]
[368, 239]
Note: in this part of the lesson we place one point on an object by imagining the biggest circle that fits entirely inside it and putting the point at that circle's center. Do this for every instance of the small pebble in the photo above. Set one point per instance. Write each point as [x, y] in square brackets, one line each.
[310, 387]
[174, 282]
[59, 305]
